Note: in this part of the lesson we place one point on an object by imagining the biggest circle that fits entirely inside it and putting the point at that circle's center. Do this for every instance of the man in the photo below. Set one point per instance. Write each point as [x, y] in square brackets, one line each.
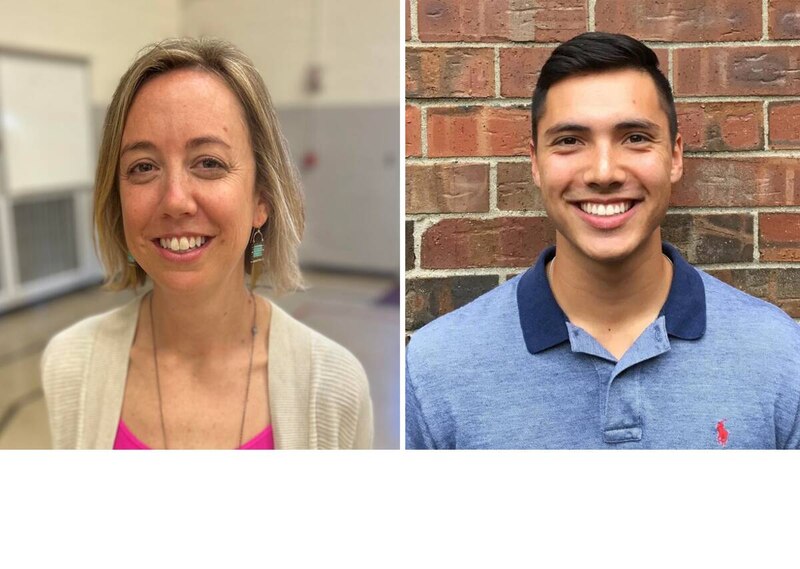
[612, 340]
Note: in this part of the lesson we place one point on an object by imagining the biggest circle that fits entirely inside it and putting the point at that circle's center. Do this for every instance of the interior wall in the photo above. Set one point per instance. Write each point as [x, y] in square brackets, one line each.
[354, 41]
[108, 33]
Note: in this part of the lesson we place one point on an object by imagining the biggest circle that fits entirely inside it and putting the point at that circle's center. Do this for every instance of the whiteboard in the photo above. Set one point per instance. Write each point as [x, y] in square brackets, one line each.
[45, 124]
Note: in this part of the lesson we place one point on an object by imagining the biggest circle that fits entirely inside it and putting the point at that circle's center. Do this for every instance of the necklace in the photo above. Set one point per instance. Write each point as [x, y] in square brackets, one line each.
[253, 330]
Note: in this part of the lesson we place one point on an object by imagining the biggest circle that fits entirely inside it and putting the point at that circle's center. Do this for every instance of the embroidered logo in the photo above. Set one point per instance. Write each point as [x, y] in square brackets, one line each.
[722, 433]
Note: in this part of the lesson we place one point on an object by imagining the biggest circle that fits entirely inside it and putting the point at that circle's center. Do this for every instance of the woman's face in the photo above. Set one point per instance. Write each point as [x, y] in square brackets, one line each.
[187, 182]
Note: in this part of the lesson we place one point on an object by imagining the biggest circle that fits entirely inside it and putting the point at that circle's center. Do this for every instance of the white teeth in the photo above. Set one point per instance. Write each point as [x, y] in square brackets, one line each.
[605, 210]
[182, 243]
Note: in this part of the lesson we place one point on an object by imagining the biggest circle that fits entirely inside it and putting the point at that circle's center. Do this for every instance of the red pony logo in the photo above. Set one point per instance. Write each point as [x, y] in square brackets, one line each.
[722, 433]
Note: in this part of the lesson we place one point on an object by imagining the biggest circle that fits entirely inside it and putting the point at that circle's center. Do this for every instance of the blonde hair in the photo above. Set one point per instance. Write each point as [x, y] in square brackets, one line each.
[276, 178]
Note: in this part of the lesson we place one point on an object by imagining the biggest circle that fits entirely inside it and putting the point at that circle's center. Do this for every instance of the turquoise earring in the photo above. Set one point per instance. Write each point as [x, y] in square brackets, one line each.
[257, 247]
[131, 260]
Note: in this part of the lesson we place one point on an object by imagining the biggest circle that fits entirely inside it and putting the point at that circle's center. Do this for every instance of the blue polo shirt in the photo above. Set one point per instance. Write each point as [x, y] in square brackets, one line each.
[718, 369]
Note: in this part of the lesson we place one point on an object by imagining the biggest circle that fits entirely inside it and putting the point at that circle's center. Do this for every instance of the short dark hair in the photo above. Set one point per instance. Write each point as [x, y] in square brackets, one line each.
[595, 52]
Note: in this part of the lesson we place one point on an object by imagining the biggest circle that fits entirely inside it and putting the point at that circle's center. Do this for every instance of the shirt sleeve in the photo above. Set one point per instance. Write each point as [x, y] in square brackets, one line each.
[418, 435]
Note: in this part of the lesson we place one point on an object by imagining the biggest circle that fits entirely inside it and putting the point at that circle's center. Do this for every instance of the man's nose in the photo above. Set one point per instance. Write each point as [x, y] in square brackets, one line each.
[604, 171]
[177, 194]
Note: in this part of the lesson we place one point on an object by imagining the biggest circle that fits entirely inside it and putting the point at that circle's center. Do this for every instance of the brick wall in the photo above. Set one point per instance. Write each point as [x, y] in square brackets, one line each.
[474, 217]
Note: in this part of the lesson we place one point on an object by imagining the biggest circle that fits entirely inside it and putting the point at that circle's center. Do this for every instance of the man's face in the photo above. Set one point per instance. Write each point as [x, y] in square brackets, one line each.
[604, 162]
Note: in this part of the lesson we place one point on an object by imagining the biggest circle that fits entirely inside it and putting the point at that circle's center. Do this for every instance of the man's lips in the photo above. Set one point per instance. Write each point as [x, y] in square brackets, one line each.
[606, 214]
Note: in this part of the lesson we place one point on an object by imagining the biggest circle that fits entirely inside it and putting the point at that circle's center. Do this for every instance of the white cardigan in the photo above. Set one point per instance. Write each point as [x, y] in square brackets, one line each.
[318, 391]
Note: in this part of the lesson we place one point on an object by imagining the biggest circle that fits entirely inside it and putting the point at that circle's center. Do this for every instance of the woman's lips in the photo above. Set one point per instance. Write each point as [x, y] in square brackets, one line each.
[184, 255]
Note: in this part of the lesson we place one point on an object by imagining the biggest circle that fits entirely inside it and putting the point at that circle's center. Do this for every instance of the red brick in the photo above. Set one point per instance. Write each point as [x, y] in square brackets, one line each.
[721, 126]
[413, 131]
[447, 188]
[778, 286]
[501, 242]
[478, 131]
[427, 299]
[408, 19]
[717, 182]
[779, 236]
[492, 20]
[784, 125]
[784, 20]
[735, 71]
[711, 238]
[681, 20]
[519, 69]
[449, 72]
[515, 188]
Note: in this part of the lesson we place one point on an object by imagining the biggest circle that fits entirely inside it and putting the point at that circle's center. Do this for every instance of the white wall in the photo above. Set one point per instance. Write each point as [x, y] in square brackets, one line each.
[357, 43]
[108, 32]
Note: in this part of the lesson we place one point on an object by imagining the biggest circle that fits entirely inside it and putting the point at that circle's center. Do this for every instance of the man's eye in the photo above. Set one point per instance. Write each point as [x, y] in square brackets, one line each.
[567, 141]
[637, 138]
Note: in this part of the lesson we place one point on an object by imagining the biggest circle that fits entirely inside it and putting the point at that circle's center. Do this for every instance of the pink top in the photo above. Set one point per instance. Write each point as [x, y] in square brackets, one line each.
[126, 440]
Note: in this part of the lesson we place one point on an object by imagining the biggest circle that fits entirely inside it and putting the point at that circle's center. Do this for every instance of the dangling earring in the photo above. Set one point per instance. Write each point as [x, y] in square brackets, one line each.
[257, 247]
[131, 260]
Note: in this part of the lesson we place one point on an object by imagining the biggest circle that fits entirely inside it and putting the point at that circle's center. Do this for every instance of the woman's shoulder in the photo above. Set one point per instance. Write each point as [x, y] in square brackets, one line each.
[328, 357]
[86, 330]
[334, 380]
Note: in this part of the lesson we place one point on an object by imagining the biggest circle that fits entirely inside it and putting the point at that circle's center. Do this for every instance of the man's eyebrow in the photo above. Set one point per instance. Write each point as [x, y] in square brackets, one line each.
[566, 127]
[193, 143]
[642, 124]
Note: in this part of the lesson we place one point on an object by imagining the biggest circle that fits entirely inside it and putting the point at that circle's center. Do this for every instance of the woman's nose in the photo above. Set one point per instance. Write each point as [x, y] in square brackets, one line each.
[178, 197]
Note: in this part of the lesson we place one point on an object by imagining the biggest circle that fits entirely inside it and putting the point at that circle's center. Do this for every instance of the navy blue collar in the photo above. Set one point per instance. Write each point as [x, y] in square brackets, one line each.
[544, 323]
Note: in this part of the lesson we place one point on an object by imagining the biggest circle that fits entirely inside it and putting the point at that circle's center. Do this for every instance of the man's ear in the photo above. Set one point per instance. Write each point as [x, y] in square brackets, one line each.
[676, 172]
[534, 165]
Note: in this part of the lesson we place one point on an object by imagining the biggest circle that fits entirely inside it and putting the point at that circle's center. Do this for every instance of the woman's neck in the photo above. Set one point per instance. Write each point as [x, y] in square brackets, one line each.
[201, 327]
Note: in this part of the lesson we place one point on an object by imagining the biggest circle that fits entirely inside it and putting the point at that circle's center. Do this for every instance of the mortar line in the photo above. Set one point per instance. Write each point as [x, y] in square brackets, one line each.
[525, 101]
[756, 238]
[764, 20]
[414, 23]
[592, 8]
[654, 44]
[765, 107]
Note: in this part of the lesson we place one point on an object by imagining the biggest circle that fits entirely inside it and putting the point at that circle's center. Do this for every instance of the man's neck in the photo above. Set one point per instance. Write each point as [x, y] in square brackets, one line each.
[612, 301]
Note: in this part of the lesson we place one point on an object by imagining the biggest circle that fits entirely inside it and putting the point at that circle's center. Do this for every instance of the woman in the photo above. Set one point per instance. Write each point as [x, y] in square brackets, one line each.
[194, 188]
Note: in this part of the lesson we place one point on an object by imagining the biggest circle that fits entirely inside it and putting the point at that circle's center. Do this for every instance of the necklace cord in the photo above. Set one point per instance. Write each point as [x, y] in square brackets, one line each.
[253, 332]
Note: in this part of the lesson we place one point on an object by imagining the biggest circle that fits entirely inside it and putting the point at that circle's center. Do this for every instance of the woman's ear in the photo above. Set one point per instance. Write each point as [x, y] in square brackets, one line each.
[261, 212]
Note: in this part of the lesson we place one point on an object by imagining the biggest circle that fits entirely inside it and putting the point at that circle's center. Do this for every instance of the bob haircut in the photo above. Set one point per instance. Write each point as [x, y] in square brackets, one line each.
[276, 178]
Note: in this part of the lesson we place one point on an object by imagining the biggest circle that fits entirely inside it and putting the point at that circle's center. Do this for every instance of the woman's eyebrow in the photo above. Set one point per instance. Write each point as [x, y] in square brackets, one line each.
[138, 145]
[210, 139]
[193, 143]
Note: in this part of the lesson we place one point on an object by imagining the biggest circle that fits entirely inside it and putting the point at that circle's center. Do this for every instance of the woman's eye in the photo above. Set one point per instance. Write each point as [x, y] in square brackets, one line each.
[210, 163]
[141, 168]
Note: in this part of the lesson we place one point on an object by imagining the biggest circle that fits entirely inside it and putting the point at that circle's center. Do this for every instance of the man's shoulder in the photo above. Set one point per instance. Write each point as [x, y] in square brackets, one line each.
[493, 315]
[729, 306]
